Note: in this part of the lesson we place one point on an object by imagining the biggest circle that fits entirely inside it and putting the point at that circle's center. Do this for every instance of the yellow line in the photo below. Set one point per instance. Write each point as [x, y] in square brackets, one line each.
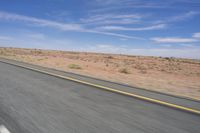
[114, 90]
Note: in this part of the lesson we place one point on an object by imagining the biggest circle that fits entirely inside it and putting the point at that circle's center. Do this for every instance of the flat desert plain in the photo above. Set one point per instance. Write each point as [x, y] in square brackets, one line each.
[168, 75]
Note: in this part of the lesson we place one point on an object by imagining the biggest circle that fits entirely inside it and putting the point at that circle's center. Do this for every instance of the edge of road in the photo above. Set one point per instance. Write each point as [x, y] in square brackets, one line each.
[112, 82]
[144, 98]
[126, 85]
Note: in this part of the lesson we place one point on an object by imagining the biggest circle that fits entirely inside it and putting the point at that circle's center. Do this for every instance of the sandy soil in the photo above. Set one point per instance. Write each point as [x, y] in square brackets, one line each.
[168, 75]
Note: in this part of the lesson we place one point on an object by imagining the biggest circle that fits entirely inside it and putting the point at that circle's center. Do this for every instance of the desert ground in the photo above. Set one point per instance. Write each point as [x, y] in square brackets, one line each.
[168, 75]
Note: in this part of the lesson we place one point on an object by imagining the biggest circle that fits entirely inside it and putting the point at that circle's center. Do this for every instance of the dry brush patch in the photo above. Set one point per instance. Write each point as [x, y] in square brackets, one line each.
[124, 70]
[74, 66]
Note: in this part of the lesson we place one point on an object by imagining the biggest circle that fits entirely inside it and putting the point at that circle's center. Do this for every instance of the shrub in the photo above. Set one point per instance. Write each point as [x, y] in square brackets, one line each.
[124, 70]
[109, 57]
[74, 66]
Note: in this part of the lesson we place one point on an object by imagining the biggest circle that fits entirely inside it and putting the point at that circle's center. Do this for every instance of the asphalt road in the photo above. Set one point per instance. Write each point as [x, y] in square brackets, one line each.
[182, 101]
[31, 102]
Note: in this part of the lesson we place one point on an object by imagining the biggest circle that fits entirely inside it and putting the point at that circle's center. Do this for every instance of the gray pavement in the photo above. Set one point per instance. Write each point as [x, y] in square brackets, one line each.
[151, 94]
[32, 102]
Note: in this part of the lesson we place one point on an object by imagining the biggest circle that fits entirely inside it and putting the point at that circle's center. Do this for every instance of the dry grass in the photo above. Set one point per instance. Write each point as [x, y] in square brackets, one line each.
[169, 75]
[74, 66]
[124, 70]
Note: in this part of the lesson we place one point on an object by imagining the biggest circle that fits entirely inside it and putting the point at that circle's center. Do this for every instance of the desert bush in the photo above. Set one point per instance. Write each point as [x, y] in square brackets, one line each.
[109, 57]
[74, 66]
[2, 52]
[124, 70]
[36, 51]
[167, 58]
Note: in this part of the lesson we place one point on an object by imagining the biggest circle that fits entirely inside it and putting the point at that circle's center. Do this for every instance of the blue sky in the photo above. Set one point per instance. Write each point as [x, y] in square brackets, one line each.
[138, 27]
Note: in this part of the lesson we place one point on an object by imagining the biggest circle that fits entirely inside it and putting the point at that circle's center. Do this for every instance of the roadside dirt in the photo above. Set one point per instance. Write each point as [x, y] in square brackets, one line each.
[169, 75]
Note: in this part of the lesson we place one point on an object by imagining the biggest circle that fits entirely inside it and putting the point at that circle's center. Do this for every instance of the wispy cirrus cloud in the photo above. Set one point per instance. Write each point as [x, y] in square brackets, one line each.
[39, 22]
[178, 18]
[185, 16]
[57, 25]
[173, 40]
[112, 19]
[120, 4]
[114, 22]
[115, 34]
[195, 38]
[196, 35]
[153, 27]
[108, 5]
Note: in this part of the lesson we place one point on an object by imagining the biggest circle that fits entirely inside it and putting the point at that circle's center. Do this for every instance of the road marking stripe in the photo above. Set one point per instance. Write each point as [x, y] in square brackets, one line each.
[3, 129]
[113, 90]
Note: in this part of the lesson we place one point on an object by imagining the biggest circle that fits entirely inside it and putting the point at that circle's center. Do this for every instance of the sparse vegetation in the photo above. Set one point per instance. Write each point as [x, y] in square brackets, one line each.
[124, 70]
[152, 73]
[74, 66]
[109, 57]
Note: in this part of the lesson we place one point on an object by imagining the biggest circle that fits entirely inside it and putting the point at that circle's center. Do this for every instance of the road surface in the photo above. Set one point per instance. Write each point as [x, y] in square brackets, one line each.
[32, 102]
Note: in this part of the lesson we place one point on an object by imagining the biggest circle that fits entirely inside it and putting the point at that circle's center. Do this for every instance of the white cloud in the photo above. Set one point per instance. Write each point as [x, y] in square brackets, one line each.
[57, 25]
[173, 40]
[120, 4]
[184, 16]
[112, 19]
[181, 17]
[134, 16]
[154, 27]
[111, 16]
[195, 38]
[39, 22]
[196, 35]
[114, 34]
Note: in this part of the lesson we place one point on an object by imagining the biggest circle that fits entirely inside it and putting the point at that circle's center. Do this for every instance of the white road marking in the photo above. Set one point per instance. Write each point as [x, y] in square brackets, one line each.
[3, 129]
